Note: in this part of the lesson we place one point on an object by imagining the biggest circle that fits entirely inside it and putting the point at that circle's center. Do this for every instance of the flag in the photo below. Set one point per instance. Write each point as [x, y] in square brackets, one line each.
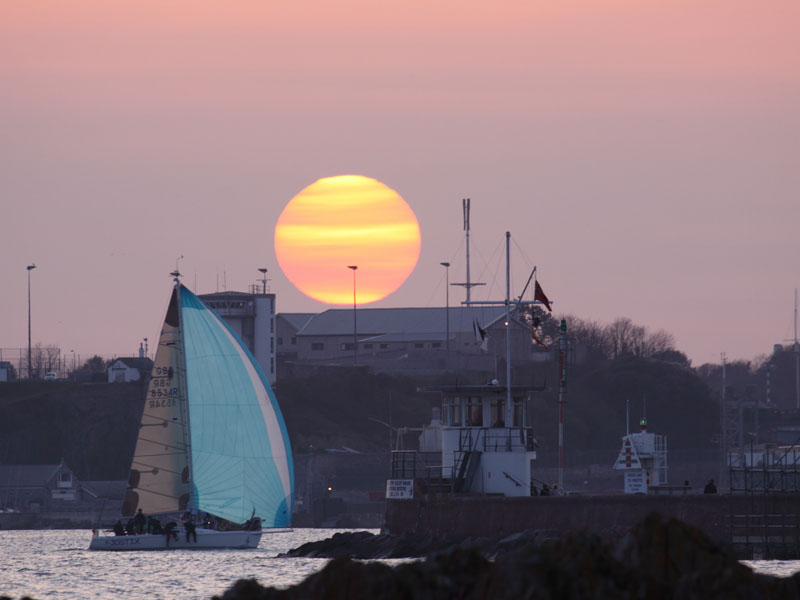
[480, 335]
[537, 340]
[539, 295]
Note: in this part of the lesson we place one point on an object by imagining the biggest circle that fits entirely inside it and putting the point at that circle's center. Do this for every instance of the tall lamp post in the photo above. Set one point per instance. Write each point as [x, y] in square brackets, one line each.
[446, 266]
[355, 342]
[30, 268]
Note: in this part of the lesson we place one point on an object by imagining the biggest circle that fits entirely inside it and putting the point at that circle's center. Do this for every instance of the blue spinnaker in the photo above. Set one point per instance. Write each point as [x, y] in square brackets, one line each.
[240, 455]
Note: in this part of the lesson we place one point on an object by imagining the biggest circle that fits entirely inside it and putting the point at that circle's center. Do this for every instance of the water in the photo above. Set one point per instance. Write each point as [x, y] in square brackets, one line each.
[57, 564]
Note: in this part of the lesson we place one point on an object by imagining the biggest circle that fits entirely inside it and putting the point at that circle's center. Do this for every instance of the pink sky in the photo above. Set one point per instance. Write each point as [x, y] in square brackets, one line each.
[644, 154]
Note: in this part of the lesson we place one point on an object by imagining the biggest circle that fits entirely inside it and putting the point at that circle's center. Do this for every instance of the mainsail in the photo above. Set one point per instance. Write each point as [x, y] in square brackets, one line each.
[235, 445]
[159, 477]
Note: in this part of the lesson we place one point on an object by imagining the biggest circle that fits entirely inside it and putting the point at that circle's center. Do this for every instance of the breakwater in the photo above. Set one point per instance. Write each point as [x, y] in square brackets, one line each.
[724, 518]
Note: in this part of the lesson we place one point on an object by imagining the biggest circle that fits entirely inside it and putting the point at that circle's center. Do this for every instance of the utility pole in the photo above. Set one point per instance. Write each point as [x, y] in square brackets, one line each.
[723, 434]
[446, 266]
[30, 268]
[355, 329]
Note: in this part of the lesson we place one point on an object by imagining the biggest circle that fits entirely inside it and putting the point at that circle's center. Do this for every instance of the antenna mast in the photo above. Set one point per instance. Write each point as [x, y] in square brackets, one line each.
[468, 285]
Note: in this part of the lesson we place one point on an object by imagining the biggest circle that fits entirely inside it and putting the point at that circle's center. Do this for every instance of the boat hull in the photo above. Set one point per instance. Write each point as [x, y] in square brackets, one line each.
[206, 539]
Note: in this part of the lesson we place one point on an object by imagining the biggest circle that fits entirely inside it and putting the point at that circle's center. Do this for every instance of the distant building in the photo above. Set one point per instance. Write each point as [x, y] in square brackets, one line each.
[37, 488]
[252, 317]
[6, 371]
[403, 340]
[131, 368]
[286, 327]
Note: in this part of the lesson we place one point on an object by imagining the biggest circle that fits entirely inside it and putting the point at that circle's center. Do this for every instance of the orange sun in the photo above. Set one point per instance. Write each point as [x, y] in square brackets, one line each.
[341, 221]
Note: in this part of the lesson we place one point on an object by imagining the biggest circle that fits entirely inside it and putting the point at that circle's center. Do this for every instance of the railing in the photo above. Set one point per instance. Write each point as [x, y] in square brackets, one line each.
[488, 439]
[410, 464]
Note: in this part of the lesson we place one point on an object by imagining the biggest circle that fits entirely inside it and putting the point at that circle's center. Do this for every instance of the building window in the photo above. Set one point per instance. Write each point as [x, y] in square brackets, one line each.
[346, 346]
[452, 412]
[272, 345]
[436, 345]
[384, 346]
[367, 346]
[317, 346]
[280, 341]
[498, 412]
[419, 345]
[518, 412]
[474, 412]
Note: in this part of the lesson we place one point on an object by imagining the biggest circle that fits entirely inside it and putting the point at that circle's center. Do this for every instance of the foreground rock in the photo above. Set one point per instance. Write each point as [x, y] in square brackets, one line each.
[366, 545]
[657, 559]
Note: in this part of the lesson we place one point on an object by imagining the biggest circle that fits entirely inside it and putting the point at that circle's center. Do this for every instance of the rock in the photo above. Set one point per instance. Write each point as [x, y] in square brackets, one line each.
[657, 559]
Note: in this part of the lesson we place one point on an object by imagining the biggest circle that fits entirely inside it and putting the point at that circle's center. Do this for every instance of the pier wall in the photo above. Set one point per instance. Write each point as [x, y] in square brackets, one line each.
[608, 516]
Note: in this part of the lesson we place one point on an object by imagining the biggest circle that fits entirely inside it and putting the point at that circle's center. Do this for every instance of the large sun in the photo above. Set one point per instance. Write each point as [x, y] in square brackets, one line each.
[344, 221]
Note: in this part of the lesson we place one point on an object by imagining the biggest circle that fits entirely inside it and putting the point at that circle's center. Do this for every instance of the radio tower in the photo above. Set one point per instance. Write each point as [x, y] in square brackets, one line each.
[468, 285]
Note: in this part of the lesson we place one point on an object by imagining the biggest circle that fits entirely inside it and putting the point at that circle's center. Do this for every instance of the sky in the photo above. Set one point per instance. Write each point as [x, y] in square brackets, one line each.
[642, 153]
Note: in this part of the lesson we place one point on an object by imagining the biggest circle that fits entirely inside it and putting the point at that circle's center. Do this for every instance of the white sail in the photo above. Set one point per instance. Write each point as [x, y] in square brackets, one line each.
[159, 479]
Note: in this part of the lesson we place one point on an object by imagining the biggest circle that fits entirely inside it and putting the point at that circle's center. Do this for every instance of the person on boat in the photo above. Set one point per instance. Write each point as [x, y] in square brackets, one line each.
[118, 528]
[545, 490]
[139, 520]
[171, 531]
[710, 488]
[554, 490]
[154, 526]
[130, 527]
[188, 526]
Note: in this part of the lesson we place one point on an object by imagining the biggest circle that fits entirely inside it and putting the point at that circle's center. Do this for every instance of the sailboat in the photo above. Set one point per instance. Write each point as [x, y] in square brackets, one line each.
[212, 442]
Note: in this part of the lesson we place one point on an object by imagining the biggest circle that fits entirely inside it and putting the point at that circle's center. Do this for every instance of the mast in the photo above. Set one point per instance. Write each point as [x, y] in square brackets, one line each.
[468, 285]
[187, 437]
[465, 209]
[509, 412]
[796, 358]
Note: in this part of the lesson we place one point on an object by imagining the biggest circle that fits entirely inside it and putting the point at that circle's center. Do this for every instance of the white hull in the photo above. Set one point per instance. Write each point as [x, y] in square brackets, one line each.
[206, 539]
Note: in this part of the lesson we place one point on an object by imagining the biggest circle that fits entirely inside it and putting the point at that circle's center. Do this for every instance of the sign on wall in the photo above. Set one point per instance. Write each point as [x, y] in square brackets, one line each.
[400, 489]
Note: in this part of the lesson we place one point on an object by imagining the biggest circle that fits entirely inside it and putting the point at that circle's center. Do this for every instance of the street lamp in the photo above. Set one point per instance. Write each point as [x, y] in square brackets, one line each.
[446, 266]
[355, 339]
[30, 268]
[264, 278]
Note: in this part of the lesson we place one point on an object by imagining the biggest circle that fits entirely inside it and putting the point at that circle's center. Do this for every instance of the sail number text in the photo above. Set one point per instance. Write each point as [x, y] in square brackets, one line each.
[163, 398]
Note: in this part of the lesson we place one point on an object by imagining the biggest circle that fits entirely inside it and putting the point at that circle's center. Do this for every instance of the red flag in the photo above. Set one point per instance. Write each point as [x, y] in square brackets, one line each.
[539, 295]
[537, 340]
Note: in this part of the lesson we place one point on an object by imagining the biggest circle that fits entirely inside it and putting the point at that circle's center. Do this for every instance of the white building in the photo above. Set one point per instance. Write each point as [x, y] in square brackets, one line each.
[410, 340]
[252, 318]
[131, 368]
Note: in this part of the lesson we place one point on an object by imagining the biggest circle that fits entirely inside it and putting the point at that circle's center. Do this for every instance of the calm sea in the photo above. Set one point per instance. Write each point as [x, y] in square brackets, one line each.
[57, 564]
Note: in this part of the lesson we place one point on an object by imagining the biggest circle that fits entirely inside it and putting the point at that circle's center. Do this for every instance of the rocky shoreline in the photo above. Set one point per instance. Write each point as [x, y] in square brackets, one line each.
[657, 558]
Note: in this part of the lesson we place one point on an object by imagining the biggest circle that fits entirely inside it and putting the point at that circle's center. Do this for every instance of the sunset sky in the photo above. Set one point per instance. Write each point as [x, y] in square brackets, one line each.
[643, 153]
